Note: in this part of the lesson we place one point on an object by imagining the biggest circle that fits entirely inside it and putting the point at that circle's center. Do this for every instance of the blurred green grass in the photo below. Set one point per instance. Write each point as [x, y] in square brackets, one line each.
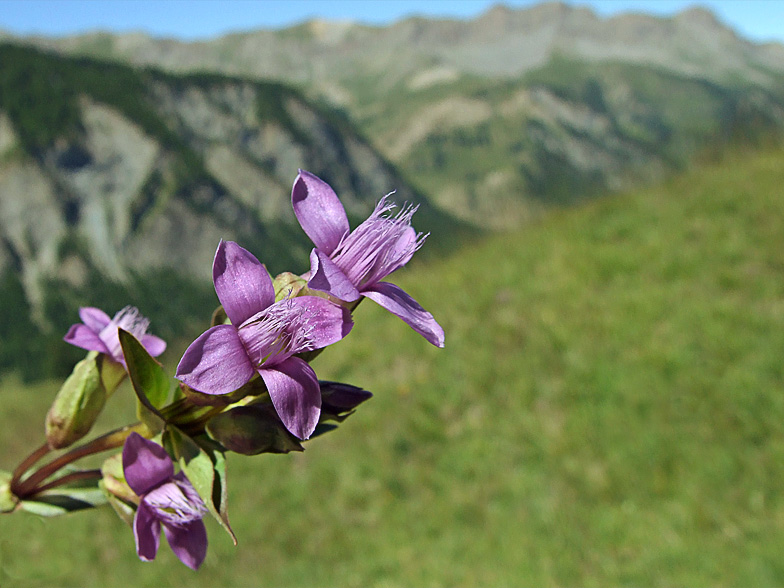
[608, 410]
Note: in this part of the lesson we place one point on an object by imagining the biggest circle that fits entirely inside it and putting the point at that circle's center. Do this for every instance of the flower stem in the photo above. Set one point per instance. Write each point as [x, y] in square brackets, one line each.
[72, 477]
[29, 462]
[110, 440]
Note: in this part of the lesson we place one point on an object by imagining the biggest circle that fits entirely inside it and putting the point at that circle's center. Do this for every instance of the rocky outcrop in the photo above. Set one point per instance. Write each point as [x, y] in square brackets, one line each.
[149, 180]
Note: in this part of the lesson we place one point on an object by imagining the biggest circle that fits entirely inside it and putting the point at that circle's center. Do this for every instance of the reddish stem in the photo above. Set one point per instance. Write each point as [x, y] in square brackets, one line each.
[105, 442]
[28, 463]
[72, 477]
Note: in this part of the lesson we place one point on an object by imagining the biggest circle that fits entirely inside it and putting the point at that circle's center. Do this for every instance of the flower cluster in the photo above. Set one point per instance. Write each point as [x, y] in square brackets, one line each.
[245, 385]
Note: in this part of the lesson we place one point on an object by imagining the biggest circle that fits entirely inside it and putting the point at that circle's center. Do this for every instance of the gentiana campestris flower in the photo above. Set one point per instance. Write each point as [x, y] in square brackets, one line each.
[350, 264]
[167, 500]
[264, 336]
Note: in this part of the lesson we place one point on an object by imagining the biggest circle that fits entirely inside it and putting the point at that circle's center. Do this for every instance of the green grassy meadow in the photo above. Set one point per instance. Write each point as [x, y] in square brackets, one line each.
[608, 410]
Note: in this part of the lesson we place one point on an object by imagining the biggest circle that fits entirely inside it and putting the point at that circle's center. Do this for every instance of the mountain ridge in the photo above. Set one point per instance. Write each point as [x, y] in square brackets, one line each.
[557, 89]
[118, 181]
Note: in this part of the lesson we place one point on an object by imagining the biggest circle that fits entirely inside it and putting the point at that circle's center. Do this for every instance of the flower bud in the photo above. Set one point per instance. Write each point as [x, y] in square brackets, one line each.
[339, 400]
[250, 430]
[8, 501]
[287, 285]
[78, 403]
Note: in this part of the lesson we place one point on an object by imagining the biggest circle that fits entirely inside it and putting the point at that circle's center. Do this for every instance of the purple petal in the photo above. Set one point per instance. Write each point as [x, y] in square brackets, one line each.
[94, 318]
[188, 542]
[154, 345]
[84, 337]
[327, 322]
[145, 463]
[242, 283]
[296, 396]
[319, 211]
[216, 362]
[404, 248]
[329, 278]
[147, 532]
[396, 301]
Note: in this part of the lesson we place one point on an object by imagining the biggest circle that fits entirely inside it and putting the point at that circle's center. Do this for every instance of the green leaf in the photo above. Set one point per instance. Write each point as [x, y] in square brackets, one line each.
[8, 501]
[219, 507]
[61, 501]
[118, 493]
[202, 471]
[149, 381]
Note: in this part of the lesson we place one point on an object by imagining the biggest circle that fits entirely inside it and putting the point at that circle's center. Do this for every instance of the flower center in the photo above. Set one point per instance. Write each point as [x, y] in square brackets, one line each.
[176, 503]
[276, 333]
[128, 319]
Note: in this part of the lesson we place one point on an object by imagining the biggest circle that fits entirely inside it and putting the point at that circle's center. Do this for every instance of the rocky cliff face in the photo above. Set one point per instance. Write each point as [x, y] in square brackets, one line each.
[112, 186]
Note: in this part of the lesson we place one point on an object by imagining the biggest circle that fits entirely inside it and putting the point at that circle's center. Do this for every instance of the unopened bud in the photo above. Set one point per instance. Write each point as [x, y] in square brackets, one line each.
[339, 400]
[287, 285]
[8, 501]
[77, 404]
[250, 430]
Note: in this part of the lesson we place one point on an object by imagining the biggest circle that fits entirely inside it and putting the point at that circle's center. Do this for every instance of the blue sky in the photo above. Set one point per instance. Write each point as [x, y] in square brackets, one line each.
[758, 20]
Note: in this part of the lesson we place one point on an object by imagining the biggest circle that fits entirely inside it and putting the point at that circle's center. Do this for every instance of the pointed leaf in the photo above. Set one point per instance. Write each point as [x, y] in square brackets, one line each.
[62, 500]
[219, 506]
[150, 382]
[199, 469]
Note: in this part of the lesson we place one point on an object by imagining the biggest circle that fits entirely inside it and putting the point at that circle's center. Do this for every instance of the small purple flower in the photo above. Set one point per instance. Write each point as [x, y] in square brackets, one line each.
[263, 338]
[97, 332]
[349, 264]
[167, 500]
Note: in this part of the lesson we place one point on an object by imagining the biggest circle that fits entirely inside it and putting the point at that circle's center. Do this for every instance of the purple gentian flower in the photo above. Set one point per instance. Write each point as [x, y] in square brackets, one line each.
[263, 337]
[349, 264]
[167, 500]
[97, 332]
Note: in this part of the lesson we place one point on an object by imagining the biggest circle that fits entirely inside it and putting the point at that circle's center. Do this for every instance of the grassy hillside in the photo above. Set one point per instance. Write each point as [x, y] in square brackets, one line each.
[608, 410]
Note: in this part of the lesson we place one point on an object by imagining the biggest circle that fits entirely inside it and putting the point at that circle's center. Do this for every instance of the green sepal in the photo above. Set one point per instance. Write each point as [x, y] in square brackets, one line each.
[118, 493]
[250, 430]
[148, 379]
[205, 469]
[287, 285]
[77, 405]
[219, 317]
[112, 373]
[8, 500]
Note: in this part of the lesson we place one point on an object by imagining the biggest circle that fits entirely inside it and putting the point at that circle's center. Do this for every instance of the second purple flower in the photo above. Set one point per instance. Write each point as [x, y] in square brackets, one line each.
[351, 264]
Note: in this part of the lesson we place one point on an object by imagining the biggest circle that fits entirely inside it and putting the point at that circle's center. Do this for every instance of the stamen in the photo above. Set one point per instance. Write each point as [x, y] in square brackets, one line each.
[378, 246]
[176, 502]
[128, 319]
[277, 333]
